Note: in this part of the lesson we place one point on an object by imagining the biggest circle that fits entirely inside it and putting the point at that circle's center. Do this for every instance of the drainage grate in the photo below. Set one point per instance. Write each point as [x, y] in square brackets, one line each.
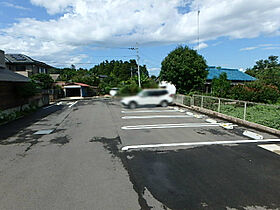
[43, 132]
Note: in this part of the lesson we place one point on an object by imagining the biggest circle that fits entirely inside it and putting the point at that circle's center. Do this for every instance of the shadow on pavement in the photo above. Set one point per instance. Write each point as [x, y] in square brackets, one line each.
[13, 127]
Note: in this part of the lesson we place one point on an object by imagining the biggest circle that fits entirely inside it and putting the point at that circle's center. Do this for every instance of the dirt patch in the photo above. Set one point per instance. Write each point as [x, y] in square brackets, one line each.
[60, 140]
[216, 132]
[200, 132]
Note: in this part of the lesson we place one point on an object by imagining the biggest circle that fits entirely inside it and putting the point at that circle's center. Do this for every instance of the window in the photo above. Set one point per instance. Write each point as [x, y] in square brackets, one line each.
[157, 93]
[20, 68]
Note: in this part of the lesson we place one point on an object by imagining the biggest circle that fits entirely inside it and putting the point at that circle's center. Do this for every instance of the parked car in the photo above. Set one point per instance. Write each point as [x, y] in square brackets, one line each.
[149, 97]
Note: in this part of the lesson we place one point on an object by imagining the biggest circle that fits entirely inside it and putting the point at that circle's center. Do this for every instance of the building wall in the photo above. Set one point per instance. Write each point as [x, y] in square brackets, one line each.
[10, 99]
[8, 95]
[27, 69]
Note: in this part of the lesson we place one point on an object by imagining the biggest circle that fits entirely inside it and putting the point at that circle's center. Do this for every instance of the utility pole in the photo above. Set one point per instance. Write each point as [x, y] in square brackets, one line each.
[138, 58]
[198, 29]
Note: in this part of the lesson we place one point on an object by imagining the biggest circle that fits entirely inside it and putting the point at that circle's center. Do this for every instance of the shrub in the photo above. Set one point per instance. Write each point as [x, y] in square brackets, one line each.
[150, 84]
[256, 92]
[129, 89]
[28, 89]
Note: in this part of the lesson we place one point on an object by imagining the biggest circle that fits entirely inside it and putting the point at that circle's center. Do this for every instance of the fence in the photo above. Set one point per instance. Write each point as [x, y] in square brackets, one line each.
[264, 114]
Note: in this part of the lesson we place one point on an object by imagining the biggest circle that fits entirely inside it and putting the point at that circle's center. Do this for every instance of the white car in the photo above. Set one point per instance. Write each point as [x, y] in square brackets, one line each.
[114, 91]
[149, 97]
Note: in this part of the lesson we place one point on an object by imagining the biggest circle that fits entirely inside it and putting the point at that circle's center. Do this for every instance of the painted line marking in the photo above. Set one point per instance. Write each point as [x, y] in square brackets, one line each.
[156, 116]
[73, 104]
[146, 146]
[49, 106]
[181, 125]
[271, 147]
[149, 111]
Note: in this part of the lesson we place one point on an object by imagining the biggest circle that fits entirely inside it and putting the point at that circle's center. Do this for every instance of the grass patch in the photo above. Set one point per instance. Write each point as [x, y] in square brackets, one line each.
[261, 114]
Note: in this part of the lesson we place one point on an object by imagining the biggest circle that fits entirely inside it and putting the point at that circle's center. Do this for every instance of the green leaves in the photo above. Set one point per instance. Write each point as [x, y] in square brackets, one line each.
[45, 80]
[221, 86]
[184, 68]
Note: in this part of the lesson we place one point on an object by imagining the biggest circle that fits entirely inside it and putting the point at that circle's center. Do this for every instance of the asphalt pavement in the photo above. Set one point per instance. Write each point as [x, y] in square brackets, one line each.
[80, 163]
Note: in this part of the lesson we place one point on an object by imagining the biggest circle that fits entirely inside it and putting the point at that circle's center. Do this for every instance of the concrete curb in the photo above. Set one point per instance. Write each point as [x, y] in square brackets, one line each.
[232, 119]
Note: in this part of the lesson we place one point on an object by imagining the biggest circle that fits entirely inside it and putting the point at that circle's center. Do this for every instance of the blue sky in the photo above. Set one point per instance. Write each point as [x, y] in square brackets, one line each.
[86, 32]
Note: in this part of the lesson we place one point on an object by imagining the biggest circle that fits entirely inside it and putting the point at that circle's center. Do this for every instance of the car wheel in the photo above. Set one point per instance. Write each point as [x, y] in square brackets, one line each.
[164, 103]
[132, 105]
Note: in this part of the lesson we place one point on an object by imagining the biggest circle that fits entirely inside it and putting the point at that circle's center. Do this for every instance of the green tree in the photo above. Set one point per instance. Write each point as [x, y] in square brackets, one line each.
[267, 71]
[45, 80]
[221, 86]
[184, 68]
[261, 65]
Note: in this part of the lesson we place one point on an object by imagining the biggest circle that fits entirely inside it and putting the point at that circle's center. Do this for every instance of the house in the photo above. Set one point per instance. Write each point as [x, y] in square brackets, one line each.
[25, 65]
[235, 76]
[9, 83]
[76, 89]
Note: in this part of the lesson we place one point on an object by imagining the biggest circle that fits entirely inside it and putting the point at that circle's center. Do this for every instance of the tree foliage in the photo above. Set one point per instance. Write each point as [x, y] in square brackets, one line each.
[45, 80]
[184, 68]
[221, 86]
[267, 71]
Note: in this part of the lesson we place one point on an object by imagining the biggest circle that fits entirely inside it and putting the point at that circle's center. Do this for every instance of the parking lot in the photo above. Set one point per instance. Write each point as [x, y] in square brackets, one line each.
[187, 160]
[96, 154]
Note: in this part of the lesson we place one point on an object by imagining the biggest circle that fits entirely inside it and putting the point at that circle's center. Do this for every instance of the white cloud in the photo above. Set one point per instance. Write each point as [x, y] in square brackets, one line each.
[262, 46]
[201, 46]
[112, 23]
[248, 48]
[8, 4]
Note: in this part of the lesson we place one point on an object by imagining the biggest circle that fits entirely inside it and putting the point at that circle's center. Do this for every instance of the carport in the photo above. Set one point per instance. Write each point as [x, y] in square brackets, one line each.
[76, 89]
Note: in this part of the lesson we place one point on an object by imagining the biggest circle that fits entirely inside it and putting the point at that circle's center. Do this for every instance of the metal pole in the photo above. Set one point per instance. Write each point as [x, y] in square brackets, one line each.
[245, 110]
[198, 29]
[201, 101]
[138, 58]
[219, 106]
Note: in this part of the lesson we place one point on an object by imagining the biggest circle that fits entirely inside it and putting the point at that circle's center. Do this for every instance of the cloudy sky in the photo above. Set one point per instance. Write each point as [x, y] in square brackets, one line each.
[233, 33]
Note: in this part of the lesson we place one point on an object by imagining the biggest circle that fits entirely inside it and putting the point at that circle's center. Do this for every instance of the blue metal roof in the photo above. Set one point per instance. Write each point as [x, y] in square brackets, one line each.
[232, 74]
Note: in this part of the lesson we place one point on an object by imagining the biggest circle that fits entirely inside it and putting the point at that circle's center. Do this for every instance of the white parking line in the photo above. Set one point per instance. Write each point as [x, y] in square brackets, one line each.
[149, 111]
[271, 147]
[181, 125]
[73, 104]
[156, 116]
[125, 148]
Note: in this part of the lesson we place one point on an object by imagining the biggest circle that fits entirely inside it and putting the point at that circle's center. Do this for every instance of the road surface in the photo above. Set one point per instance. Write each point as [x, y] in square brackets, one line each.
[78, 161]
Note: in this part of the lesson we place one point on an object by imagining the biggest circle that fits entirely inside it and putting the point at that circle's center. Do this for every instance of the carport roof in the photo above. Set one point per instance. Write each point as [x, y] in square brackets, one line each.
[76, 83]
